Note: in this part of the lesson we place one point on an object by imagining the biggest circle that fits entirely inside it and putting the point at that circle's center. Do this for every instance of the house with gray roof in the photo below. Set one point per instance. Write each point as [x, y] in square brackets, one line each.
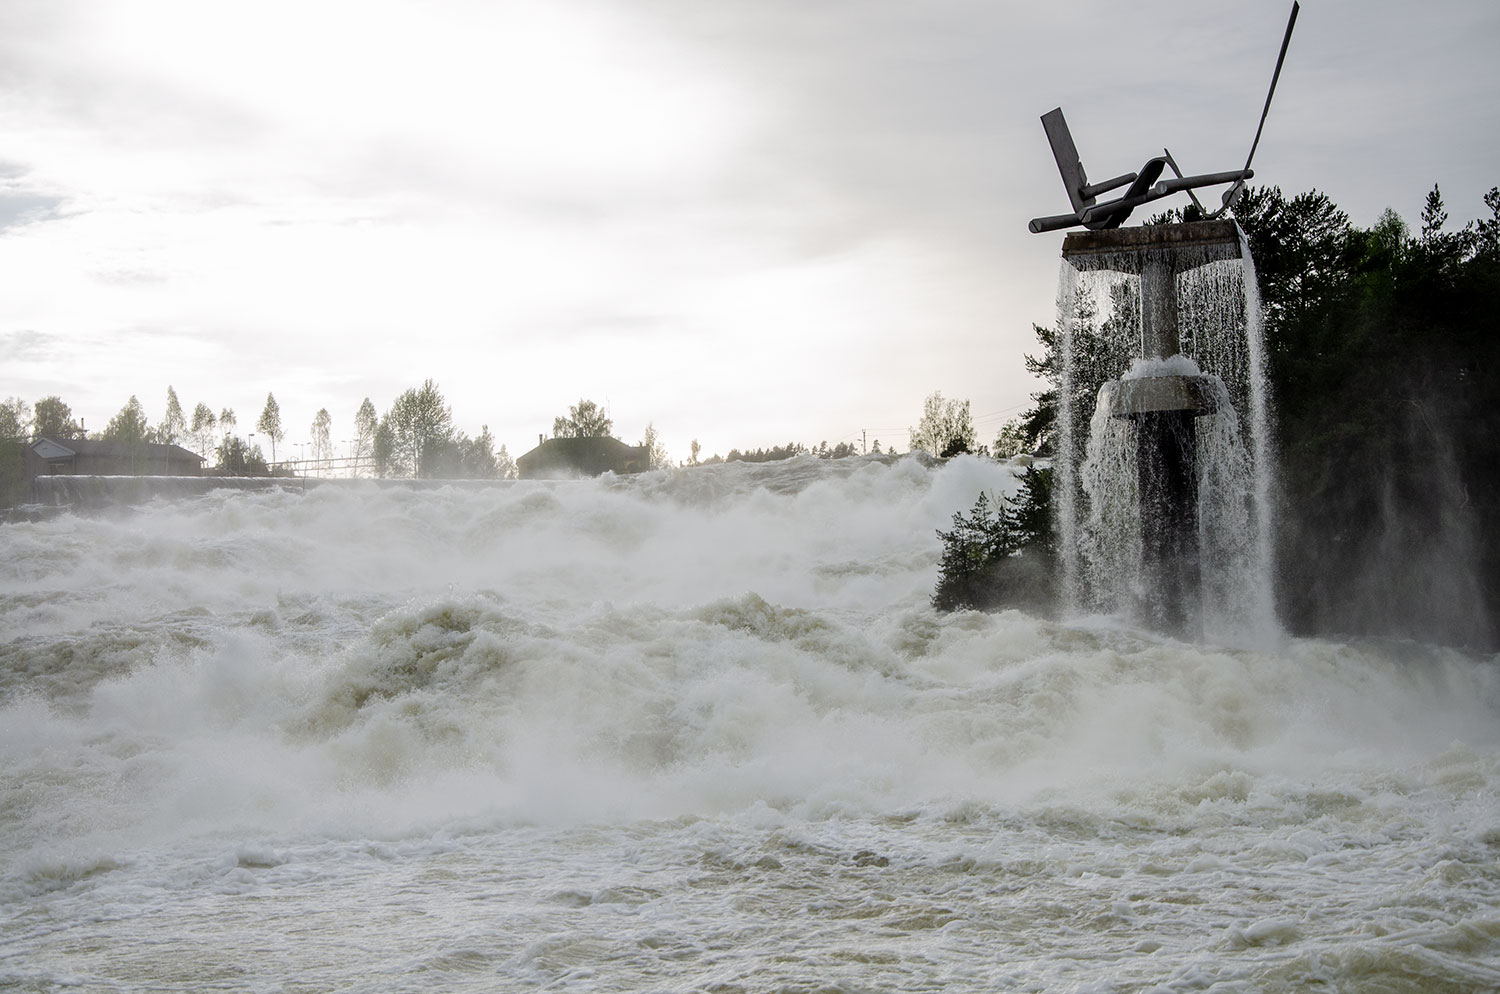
[107, 457]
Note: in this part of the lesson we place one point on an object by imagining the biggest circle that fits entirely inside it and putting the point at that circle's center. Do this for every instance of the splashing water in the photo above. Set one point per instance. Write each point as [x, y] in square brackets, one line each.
[1111, 538]
[696, 730]
[1099, 520]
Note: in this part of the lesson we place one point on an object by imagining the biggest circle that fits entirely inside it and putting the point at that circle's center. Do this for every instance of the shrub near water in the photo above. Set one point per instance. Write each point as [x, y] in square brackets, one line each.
[1000, 555]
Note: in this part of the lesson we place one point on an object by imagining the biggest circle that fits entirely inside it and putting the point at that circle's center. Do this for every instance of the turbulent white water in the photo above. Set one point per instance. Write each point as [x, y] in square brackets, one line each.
[697, 730]
[1235, 571]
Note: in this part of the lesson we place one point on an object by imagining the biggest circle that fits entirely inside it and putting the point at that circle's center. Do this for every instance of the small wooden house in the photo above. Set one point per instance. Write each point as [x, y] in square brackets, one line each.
[105, 457]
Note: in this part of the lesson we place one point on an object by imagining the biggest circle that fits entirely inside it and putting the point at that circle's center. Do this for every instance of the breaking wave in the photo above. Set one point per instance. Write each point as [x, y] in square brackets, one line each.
[738, 665]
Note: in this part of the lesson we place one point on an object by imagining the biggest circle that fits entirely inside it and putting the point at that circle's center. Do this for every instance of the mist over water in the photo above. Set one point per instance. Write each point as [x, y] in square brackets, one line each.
[697, 730]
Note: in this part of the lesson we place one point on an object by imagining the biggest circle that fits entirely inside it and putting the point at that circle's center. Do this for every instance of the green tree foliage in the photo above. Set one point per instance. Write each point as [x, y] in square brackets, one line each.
[693, 450]
[203, 428]
[54, 419]
[1096, 348]
[421, 430]
[505, 466]
[481, 462]
[656, 452]
[477, 456]
[1309, 253]
[132, 431]
[238, 459]
[365, 423]
[840, 450]
[129, 425]
[1384, 360]
[322, 442]
[1039, 424]
[13, 483]
[383, 449]
[1010, 440]
[585, 419]
[1433, 215]
[15, 420]
[1487, 230]
[227, 421]
[773, 454]
[1000, 555]
[945, 428]
[465, 458]
[15, 430]
[1034, 518]
[973, 552]
[269, 423]
[173, 424]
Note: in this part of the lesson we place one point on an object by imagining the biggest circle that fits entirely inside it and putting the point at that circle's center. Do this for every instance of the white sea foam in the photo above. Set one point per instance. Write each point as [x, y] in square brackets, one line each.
[1177, 365]
[690, 729]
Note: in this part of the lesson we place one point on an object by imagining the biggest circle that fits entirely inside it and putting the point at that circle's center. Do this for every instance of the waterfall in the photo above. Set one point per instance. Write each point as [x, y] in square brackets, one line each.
[1113, 320]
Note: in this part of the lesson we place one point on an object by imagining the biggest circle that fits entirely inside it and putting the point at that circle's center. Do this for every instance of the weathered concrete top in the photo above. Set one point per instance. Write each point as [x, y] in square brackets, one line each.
[1152, 394]
[1185, 246]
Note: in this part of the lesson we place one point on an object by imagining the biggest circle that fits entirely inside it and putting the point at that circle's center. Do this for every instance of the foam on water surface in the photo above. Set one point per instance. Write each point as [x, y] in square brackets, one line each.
[699, 730]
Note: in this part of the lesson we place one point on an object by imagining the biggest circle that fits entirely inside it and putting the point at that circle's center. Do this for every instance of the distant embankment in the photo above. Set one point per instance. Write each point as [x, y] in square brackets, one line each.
[91, 492]
[81, 492]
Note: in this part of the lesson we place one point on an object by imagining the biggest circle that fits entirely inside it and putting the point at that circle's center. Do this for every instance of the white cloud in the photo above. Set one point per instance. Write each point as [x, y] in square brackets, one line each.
[744, 221]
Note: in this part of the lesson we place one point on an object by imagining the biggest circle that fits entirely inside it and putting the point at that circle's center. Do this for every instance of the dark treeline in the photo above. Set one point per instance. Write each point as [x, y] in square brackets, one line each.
[1002, 553]
[775, 453]
[1383, 353]
[415, 437]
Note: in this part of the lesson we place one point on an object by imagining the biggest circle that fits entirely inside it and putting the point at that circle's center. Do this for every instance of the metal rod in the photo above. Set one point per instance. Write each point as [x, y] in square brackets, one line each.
[1167, 186]
[1233, 192]
[1286, 40]
[1055, 223]
[1094, 189]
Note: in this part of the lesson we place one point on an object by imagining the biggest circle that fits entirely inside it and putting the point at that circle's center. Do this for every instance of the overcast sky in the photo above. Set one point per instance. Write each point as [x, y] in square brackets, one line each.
[747, 221]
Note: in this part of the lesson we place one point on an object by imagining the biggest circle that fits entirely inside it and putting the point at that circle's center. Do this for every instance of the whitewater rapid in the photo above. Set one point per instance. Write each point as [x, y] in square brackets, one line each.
[697, 730]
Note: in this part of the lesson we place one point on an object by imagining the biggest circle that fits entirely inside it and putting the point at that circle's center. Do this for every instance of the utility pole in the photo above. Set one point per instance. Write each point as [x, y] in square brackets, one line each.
[864, 449]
